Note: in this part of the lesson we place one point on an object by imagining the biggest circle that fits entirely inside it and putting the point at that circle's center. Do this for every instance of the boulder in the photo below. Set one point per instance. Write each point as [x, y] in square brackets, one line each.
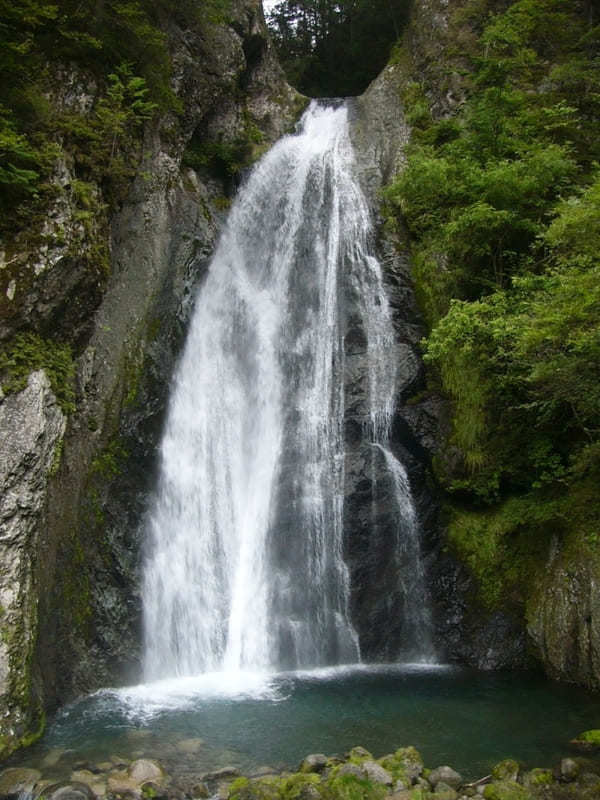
[359, 753]
[315, 762]
[95, 782]
[144, 769]
[536, 778]
[505, 790]
[445, 774]
[16, 780]
[507, 770]
[443, 791]
[376, 773]
[190, 746]
[569, 769]
[350, 769]
[120, 783]
[69, 790]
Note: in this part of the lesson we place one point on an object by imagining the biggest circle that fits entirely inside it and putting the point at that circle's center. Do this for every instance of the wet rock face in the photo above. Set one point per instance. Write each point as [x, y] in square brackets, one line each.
[564, 621]
[463, 631]
[31, 430]
[371, 516]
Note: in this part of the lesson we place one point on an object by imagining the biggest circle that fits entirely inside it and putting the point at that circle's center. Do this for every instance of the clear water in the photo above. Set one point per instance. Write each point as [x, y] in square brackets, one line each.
[453, 716]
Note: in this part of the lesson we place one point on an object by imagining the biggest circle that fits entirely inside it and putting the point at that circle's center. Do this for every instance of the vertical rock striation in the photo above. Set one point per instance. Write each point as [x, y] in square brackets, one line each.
[32, 426]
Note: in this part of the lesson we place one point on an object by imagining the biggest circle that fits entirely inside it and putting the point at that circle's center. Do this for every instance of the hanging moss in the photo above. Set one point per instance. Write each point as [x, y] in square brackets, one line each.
[28, 352]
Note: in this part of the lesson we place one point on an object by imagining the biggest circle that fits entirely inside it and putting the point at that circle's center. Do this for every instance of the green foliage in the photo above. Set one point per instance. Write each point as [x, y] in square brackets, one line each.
[119, 48]
[506, 790]
[332, 49]
[28, 352]
[109, 463]
[504, 546]
[225, 158]
[351, 787]
[56, 458]
[503, 205]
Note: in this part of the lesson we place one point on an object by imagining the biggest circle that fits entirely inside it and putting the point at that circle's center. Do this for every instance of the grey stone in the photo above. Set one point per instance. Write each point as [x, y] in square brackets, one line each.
[350, 769]
[190, 746]
[359, 752]
[222, 774]
[315, 762]
[443, 791]
[144, 769]
[69, 791]
[569, 769]
[15, 781]
[376, 773]
[445, 774]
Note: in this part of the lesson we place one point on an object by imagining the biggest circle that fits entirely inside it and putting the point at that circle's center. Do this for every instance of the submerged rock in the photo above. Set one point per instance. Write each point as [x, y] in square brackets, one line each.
[221, 774]
[69, 791]
[190, 746]
[18, 780]
[144, 769]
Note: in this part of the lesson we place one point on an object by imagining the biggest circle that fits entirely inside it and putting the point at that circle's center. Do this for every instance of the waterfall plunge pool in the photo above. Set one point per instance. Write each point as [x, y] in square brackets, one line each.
[468, 719]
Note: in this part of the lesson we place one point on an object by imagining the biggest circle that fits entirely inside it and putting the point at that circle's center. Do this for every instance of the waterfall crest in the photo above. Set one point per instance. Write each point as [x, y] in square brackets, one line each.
[245, 567]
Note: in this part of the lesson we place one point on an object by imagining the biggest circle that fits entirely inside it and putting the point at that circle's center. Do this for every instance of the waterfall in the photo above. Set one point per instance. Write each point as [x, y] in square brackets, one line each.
[245, 567]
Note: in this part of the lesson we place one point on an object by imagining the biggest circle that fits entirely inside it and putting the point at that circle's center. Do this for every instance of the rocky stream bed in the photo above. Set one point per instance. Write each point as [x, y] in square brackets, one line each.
[357, 775]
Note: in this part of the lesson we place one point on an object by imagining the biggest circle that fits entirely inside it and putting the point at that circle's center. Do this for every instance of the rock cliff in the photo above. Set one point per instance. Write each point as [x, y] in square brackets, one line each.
[68, 588]
[552, 620]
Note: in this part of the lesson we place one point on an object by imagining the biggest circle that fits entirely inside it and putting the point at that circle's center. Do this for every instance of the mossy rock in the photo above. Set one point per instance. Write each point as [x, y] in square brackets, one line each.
[587, 741]
[261, 789]
[351, 787]
[405, 764]
[358, 754]
[300, 787]
[537, 778]
[506, 790]
[507, 770]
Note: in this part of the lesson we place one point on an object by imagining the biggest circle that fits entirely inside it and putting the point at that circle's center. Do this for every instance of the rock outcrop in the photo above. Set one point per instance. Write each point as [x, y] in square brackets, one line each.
[564, 619]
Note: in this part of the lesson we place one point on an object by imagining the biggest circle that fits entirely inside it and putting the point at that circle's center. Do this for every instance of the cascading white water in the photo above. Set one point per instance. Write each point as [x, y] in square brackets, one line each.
[244, 568]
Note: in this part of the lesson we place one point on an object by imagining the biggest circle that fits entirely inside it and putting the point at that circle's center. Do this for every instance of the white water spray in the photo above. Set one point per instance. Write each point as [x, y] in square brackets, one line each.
[245, 568]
